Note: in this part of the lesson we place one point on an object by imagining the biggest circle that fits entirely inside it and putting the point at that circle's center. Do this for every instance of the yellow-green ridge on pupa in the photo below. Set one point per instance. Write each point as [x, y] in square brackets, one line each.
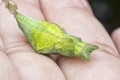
[49, 38]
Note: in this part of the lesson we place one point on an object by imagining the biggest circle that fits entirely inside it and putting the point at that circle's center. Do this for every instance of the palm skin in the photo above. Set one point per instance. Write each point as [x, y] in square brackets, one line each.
[20, 62]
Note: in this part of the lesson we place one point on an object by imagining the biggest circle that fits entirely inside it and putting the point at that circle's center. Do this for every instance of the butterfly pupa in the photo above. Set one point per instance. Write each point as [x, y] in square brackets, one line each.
[49, 38]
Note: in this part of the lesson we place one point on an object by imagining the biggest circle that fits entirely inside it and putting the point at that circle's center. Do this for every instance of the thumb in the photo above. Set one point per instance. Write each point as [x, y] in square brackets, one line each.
[116, 38]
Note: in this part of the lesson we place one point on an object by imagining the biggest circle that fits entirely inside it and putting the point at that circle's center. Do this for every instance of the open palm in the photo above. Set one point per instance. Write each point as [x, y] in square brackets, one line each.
[18, 61]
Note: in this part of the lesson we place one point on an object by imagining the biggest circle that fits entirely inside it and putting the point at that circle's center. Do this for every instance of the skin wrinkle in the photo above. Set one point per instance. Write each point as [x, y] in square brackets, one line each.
[17, 46]
[107, 49]
[41, 9]
[17, 49]
[2, 48]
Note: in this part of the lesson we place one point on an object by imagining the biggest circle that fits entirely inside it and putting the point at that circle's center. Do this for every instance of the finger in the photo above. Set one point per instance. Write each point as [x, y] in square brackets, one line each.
[79, 22]
[116, 38]
[31, 66]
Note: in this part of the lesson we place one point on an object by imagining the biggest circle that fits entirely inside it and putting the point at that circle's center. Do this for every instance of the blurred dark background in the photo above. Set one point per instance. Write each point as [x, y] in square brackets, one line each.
[107, 12]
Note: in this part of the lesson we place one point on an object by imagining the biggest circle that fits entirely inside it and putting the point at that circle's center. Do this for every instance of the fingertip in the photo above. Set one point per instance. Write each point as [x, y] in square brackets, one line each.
[116, 38]
[116, 35]
[115, 32]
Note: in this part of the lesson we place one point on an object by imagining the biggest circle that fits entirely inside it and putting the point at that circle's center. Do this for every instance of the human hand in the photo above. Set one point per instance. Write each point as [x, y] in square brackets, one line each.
[20, 62]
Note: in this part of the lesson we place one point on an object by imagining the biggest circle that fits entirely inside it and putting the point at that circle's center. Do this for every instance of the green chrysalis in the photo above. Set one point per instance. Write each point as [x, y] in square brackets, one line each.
[49, 38]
